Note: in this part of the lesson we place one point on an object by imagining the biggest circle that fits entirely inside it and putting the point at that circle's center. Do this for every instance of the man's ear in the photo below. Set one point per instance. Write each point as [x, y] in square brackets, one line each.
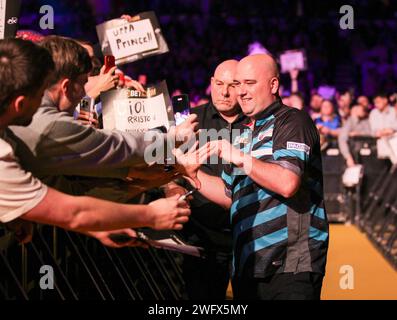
[274, 85]
[65, 86]
[18, 104]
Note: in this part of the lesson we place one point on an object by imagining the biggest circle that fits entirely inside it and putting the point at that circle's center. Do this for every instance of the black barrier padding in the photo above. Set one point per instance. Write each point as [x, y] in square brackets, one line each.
[333, 167]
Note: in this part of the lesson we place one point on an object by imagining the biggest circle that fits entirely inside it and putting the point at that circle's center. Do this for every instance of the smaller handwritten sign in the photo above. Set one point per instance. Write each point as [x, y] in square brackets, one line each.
[131, 111]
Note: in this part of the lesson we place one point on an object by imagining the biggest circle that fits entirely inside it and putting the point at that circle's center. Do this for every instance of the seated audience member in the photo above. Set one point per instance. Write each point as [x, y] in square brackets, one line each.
[344, 102]
[364, 101]
[329, 122]
[296, 101]
[383, 118]
[356, 125]
[315, 106]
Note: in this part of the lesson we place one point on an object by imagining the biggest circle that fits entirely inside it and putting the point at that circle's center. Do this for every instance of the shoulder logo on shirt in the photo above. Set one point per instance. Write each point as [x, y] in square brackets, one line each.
[298, 146]
[241, 140]
[264, 134]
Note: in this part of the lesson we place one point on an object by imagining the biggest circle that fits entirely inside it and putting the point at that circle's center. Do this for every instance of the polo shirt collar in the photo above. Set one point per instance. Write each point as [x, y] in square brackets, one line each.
[272, 108]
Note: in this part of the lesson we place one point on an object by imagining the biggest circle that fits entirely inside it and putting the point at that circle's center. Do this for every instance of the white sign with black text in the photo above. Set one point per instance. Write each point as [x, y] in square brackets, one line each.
[132, 40]
[139, 115]
[134, 111]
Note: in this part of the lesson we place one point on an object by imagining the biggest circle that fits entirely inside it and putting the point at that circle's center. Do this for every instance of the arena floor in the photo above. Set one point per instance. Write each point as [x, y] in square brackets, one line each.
[355, 269]
[374, 278]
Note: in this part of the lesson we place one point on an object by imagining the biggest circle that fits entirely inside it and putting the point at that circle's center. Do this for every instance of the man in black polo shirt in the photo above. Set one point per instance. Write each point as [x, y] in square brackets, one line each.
[273, 187]
[209, 225]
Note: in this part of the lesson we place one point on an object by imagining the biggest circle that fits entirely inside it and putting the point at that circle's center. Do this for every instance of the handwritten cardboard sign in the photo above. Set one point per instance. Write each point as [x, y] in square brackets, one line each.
[131, 41]
[131, 111]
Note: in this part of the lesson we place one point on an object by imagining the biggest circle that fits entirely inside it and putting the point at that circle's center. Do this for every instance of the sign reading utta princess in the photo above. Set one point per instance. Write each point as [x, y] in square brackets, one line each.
[132, 40]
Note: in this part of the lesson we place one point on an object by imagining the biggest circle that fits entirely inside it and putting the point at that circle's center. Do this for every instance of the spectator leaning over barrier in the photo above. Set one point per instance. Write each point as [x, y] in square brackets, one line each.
[24, 70]
[55, 145]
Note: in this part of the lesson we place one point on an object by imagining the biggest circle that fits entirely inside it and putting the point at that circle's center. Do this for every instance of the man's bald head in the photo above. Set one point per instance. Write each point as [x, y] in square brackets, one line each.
[228, 67]
[223, 93]
[264, 63]
[257, 83]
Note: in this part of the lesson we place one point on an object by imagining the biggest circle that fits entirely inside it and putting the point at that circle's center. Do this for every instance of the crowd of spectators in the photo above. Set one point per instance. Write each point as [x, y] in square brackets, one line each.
[358, 64]
[202, 33]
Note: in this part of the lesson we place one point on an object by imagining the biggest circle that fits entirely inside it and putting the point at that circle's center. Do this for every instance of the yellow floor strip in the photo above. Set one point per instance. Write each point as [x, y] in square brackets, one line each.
[356, 269]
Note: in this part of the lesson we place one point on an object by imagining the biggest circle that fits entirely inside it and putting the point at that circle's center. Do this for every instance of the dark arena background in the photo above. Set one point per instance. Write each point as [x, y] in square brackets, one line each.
[349, 49]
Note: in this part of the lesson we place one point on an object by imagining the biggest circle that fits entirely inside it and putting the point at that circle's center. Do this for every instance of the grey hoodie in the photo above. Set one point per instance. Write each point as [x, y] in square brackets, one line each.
[55, 144]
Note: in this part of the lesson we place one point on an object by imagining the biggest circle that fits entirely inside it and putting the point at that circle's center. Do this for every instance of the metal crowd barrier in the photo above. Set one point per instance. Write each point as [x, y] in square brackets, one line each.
[372, 203]
[379, 215]
[84, 269]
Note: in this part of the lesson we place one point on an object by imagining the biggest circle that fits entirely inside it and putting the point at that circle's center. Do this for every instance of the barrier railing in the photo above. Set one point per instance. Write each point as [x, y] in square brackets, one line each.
[372, 203]
[84, 269]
